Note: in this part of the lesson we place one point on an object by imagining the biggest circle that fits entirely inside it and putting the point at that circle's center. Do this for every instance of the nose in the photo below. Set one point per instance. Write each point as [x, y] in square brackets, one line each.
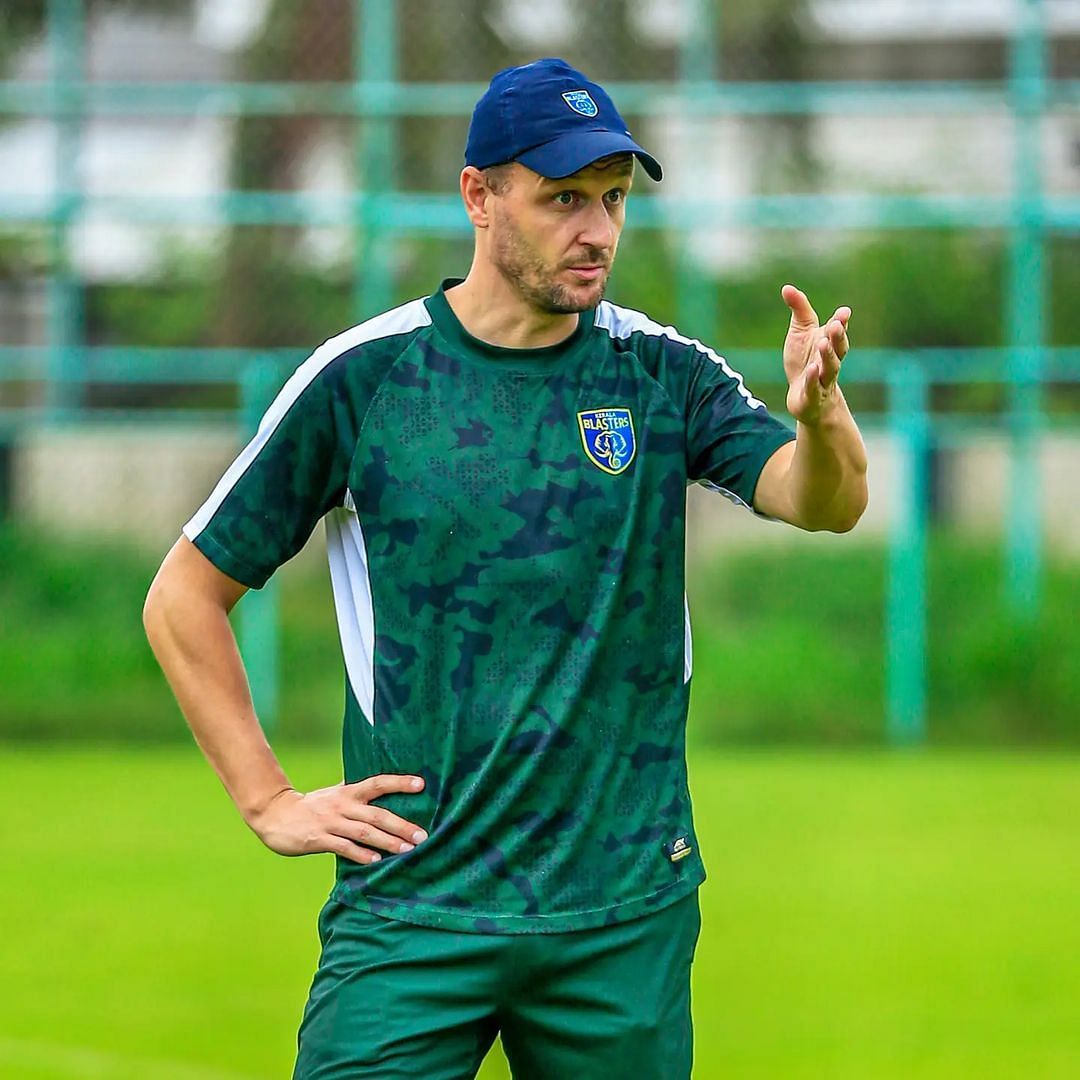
[597, 229]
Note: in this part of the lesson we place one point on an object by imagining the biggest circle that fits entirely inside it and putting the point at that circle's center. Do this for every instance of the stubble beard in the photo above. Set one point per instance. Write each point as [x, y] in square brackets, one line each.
[525, 270]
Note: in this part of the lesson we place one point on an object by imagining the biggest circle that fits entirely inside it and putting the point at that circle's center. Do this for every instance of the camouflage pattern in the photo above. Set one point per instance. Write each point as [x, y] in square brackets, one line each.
[528, 605]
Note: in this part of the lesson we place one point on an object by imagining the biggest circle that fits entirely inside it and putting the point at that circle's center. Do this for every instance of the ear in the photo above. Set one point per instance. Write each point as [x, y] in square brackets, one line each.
[475, 195]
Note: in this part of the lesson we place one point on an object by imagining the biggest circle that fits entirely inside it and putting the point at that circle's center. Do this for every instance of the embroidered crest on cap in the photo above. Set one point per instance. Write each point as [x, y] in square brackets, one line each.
[581, 102]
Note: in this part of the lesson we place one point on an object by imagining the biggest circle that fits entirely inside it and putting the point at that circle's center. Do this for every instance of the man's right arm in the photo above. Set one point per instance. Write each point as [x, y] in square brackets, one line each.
[186, 616]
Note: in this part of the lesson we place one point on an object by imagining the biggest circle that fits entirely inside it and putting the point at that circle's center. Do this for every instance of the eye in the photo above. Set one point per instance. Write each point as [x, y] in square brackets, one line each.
[565, 198]
[616, 196]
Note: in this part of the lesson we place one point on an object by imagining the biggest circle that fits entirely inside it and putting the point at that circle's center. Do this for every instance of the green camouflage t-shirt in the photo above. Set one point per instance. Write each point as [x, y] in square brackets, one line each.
[506, 542]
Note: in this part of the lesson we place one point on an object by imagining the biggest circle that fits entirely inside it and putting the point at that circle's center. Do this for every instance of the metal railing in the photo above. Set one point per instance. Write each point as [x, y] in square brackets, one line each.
[379, 213]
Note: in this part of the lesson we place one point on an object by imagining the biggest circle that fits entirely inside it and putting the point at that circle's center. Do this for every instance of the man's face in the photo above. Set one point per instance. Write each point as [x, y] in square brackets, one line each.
[554, 241]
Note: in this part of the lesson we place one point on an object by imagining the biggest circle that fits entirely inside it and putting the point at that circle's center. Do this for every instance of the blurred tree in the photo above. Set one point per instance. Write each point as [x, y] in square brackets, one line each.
[442, 42]
[766, 41]
[20, 20]
[310, 42]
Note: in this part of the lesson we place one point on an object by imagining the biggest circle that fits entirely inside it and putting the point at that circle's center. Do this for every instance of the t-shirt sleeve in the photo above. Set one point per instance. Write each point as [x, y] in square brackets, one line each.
[730, 434]
[292, 472]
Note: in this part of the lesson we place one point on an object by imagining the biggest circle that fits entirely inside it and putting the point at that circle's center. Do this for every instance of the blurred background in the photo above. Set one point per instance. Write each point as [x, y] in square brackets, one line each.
[884, 726]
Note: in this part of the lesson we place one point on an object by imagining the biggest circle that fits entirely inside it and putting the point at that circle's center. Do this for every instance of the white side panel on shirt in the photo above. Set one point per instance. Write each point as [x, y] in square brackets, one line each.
[688, 645]
[352, 601]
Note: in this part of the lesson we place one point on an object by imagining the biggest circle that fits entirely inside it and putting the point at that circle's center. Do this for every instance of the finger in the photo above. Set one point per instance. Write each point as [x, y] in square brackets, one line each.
[829, 363]
[373, 787]
[802, 314]
[361, 832]
[837, 335]
[843, 314]
[383, 819]
[338, 845]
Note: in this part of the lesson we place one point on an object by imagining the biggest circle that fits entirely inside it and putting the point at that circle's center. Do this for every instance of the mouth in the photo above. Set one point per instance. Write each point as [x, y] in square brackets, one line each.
[589, 272]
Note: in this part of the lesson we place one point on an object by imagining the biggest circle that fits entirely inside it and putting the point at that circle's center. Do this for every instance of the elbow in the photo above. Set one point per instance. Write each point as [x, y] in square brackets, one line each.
[831, 525]
[153, 610]
[839, 519]
[844, 523]
[150, 610]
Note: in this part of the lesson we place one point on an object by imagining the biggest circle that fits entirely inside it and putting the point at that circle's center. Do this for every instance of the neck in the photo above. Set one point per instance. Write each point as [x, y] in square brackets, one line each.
[490, 309]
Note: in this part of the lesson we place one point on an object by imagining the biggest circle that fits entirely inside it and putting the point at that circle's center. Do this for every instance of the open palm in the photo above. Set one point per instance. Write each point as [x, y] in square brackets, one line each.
[812, 356]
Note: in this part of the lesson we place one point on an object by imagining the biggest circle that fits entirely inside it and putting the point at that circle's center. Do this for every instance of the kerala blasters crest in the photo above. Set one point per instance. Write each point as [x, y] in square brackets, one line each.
[608, 438]
[581, 102]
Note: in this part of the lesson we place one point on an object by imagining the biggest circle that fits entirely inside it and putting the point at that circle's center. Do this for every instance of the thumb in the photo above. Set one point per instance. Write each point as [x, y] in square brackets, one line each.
[802, 314]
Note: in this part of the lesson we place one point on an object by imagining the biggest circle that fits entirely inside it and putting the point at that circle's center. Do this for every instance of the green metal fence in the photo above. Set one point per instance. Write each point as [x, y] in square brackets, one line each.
[380, 99]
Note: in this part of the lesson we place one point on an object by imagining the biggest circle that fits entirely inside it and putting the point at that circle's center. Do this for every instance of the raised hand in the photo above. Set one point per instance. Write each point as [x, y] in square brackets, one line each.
[340, 819]
[812, 356]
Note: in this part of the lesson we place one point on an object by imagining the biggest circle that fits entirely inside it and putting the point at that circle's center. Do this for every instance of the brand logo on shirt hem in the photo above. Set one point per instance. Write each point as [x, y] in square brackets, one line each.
[680, 849]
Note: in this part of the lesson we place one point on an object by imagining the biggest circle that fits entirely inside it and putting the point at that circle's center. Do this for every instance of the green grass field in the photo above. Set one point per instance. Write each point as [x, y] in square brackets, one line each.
[866, 916]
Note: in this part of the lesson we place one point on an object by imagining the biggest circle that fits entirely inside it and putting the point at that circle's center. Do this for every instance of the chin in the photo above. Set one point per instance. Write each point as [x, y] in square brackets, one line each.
[579, 297]
[573, 307]
[593, 295]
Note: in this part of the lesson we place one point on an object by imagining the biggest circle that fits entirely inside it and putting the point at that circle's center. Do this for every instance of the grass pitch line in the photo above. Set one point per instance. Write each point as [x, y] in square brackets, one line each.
[86, 1063]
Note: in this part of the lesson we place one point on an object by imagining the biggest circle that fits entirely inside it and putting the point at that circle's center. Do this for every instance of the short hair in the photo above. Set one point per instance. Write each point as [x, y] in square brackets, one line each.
[497, 177]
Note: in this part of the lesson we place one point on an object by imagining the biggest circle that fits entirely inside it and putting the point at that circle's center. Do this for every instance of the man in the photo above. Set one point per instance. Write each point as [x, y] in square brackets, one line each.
[502, 467]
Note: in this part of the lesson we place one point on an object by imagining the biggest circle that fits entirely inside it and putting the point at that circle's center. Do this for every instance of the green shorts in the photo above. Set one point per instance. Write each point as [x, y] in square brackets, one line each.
[391, 999]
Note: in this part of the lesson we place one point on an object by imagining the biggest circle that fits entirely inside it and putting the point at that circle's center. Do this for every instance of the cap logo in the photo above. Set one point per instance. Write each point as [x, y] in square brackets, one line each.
[580, 102]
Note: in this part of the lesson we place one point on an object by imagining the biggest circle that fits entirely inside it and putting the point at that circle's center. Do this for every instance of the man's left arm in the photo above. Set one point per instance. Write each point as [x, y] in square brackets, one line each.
[818, 481]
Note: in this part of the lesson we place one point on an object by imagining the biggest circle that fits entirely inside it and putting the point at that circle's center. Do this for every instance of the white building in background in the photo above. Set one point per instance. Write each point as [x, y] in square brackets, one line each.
[183, 157]
[188, 156]
[905, 151]
[167, 156]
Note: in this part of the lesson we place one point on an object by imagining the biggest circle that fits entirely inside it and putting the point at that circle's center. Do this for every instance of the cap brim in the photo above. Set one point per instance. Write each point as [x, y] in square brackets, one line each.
[570, 153]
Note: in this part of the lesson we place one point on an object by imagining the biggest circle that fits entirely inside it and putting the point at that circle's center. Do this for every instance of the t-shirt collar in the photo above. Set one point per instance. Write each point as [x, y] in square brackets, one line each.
[541, 359]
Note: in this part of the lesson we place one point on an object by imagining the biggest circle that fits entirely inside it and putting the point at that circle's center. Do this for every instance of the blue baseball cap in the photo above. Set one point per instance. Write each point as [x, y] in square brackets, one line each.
[552, 119]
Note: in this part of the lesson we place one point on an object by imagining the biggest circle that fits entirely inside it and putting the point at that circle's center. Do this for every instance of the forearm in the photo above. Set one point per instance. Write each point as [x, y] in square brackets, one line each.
[826, 478]
[193, 641]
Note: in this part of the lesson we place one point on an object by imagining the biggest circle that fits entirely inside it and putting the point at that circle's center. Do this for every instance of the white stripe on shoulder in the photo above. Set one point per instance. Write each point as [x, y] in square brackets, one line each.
[621, 322]
[399, 320]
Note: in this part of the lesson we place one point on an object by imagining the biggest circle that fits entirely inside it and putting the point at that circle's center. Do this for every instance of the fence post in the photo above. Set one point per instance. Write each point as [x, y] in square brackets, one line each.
[375, 61]
[694, 301]
[66, 36]
[906, 602]
[1025, 311]
[258, 610]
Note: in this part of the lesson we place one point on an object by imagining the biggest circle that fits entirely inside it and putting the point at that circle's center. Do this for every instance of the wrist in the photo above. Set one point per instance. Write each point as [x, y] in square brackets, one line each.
[256, 809]
[829, 414]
